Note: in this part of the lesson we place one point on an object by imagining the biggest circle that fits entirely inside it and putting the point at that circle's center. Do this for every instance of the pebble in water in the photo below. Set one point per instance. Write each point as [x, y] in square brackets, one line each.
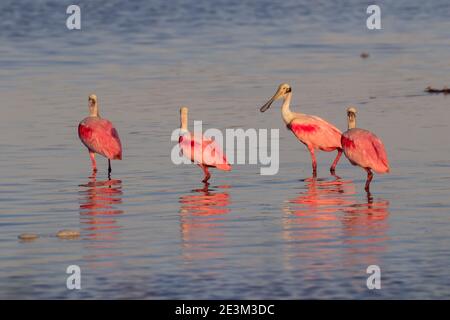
[28, 236]
[68, 234]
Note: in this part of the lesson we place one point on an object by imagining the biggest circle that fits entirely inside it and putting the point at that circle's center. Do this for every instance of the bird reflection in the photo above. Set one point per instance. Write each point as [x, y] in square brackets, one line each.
[202, 212]
[98, 209]
[328, 216]
[311, 218]
[365, 230]
[322, 196]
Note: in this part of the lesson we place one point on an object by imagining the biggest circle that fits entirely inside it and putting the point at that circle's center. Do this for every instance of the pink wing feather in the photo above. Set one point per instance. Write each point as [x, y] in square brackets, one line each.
[204, 151]
[365, 149]
[316, 132]
[99, 136]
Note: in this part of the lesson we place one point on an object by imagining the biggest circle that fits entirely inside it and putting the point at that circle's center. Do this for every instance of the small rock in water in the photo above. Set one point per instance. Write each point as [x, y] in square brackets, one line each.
[364, 55]
[68, 234]
[28, 236]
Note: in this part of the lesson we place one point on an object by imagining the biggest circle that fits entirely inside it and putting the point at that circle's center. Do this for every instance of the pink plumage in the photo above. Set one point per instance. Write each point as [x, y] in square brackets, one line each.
[203, 151]
[316, 133]
[312, 131]
[100, 136]
[365, 149]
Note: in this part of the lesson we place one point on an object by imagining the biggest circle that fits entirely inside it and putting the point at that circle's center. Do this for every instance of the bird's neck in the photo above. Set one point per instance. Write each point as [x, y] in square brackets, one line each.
[93, 111]
[285, 110]
[184, 122]
[351, 123]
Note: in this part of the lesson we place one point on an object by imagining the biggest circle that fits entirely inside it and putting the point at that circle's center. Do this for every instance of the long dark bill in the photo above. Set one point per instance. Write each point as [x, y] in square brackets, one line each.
[267, 105]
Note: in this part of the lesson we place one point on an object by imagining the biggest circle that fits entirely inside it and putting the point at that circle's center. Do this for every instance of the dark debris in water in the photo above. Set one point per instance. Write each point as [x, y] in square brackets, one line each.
[444, 90]
[364, 55]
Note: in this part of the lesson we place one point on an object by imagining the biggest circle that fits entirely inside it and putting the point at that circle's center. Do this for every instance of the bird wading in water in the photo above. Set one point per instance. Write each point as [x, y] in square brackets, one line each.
[312, 131]
[99, 136]
[363, 148]
[200, 149]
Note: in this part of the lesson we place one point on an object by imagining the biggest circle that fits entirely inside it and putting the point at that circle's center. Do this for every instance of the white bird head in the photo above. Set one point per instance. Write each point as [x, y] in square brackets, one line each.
[283, 90]
[351, 116]
[92, 99]
[93, 106]
[351, 111]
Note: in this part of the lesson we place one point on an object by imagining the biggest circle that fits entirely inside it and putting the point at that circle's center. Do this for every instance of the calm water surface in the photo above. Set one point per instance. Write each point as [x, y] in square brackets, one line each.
[154, 231]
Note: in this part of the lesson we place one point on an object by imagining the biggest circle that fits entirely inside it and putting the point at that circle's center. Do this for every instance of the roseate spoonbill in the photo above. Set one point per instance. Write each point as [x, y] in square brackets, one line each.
[200, 149]
[99, 136]
[312, 131]
[363, 148]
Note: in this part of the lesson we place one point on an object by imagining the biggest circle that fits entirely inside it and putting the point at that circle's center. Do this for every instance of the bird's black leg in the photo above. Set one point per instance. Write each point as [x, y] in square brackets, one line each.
[369, 179]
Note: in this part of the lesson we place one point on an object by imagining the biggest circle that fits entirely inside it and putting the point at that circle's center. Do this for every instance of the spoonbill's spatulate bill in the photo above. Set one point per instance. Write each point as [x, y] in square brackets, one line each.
[200, 149]
[312, 131]
[99, 136]
[364, 149]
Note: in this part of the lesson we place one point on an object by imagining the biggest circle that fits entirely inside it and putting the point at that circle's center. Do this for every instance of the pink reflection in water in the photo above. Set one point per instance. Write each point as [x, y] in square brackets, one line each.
[98, 210]
[328, 217]
[201, 214]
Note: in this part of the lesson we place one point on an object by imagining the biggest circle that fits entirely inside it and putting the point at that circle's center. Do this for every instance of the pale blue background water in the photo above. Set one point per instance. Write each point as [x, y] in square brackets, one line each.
[153, 232]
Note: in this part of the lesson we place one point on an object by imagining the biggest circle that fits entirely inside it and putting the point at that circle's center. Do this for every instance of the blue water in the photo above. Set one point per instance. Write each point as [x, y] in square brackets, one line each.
[154, 231]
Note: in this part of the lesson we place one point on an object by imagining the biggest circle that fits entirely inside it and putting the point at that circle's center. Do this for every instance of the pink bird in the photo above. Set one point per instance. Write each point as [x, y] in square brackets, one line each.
[312, 131]
[200, 149]
[363, 148]
[99, 136]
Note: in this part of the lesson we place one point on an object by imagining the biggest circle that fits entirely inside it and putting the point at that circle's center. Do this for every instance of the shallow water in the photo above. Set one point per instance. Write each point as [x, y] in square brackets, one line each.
[153, 230]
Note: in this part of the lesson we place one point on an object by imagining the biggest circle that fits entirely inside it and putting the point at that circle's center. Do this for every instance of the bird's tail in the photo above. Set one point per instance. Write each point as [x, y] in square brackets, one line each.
[224, 166]
[118, 156]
